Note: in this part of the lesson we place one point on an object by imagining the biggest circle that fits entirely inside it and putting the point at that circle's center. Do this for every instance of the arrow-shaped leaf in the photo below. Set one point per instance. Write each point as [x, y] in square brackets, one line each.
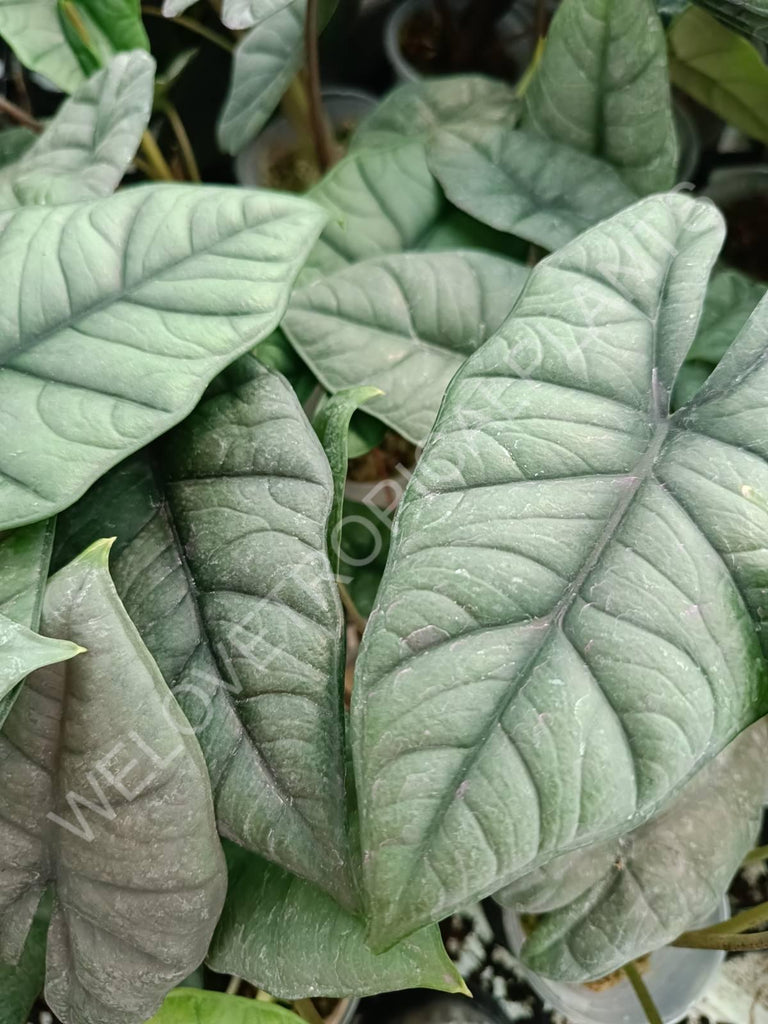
[85, 150]
[116, 314]
[566, 630]
[222, 563]
[105, 798]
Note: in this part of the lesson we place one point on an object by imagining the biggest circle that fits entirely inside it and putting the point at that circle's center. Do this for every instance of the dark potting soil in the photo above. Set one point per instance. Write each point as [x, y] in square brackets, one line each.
[425, 46]
[746, 247]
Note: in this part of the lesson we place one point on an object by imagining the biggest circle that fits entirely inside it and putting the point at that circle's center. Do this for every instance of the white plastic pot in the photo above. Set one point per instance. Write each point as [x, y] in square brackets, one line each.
[676, 979]
[341, 106]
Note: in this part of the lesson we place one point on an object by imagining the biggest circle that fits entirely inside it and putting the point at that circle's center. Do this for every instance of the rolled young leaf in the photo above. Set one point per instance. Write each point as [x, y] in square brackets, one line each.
[106, 799]
[186, 1004]
[602, 87]
[567, 627]
[403, 323]
[35, 31]
[85, 150]
[661, 879]
[332, 425]
[222, 563]
[290, 939]
[147, 295]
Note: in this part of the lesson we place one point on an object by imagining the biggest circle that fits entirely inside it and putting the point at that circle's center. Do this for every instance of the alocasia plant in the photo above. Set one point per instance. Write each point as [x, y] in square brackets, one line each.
[509, 705]
[570, 629]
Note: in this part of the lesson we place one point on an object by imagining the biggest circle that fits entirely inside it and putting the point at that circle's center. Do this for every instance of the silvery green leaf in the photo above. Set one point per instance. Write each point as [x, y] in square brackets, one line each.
[568, 627]
[403, 323]
[221, 561]
[85, 150]
[24, 557]
[663, 878]
[418, 109]
[118, 316]
[243, 14]
[378, 202]
[602, 87]
[263, 65]
[106, 799]
[35, 31]
[748, 16]
[292, 940]
[515, 181]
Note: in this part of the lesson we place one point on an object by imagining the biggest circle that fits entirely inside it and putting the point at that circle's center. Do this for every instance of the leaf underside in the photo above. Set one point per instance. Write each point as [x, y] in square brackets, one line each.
[566, 630]
[85, 150]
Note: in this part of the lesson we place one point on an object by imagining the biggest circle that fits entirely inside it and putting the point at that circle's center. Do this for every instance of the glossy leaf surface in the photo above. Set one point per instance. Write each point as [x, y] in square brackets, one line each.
[566, 631]
[721, 70]
[119, 314]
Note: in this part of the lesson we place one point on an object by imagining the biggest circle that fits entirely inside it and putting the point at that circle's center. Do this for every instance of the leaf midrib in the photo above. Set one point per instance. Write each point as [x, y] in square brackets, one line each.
[26, 345]
[641, 473]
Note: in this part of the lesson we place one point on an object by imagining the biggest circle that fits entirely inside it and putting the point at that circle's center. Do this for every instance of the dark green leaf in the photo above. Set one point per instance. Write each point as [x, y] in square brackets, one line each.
[21, 984]
[106, 798]
[222, 563]
[285, 936]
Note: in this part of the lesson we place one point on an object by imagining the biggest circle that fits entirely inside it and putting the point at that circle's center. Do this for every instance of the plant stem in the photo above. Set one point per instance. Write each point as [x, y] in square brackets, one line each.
[704, 939]
[318, 125]
[160, 171]
[20, 116]
[185, 146]
[307, 1010]
[359, 621]
[642, 993]
[192, 26]
[759, 853]
[752, 918]
[233, 986]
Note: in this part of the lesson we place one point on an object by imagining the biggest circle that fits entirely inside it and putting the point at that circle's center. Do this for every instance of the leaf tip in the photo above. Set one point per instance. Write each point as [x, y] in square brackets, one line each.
[98, 552]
